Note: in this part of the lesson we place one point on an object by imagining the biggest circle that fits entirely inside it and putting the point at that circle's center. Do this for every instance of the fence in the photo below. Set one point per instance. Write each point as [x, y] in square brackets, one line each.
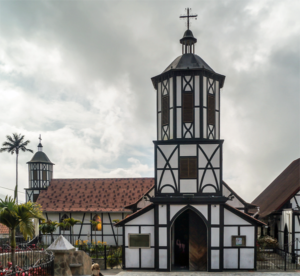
[277, 260]
[28, 259]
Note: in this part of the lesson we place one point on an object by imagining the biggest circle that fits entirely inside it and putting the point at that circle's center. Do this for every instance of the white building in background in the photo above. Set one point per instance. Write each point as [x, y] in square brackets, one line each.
[280, 208]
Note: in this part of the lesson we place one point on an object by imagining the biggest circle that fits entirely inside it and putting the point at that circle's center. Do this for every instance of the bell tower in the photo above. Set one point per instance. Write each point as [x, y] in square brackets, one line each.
[188, 149]
[40, 170]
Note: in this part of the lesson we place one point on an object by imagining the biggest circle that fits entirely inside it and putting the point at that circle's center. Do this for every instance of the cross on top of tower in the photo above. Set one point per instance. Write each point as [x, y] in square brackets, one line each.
[40, 147]
[188, 17]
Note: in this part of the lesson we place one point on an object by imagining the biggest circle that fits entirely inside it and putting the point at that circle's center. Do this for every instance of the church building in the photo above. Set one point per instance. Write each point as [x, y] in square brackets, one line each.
[190, 224]
[186, 217]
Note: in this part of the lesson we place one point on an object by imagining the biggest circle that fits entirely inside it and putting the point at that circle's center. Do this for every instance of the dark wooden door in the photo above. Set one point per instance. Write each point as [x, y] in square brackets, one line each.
[197, 243]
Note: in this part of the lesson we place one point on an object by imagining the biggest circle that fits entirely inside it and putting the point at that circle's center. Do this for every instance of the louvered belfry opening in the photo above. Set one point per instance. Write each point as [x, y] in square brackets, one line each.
[188, 167]
[211, 110]
[188, 107]
[165, 110]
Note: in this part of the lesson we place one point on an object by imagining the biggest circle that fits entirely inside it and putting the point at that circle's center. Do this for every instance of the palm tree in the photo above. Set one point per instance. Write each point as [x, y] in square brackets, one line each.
[13, 215]
[48, 228]
[14, 144]
[71, 222]
[63, 226]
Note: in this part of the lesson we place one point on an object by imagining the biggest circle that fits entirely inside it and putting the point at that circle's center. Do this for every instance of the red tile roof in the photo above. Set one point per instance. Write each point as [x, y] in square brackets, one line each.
[93, 195]
[280, 190]
[3, 229]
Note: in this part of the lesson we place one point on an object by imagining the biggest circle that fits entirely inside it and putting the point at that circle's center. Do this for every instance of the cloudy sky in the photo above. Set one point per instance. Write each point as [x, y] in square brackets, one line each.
[78, 72]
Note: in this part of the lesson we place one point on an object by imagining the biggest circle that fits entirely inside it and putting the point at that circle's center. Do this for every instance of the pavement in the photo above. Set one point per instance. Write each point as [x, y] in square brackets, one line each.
[153, 273]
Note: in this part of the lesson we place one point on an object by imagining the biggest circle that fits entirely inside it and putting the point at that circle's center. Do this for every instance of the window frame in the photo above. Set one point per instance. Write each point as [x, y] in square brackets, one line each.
[196, 168]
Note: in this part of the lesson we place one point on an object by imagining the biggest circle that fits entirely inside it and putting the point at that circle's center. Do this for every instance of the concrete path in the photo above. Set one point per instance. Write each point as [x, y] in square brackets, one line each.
[131, 273]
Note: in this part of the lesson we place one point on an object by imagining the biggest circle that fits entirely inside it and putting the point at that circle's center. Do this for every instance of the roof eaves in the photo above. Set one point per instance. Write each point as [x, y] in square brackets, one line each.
[136, 214]
[248, 217]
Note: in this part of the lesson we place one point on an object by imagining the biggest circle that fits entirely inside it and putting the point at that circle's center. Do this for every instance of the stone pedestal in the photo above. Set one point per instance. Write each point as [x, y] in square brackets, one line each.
[67, 261]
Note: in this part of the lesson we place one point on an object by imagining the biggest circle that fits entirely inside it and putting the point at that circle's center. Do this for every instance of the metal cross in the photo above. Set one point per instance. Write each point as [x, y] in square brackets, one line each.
[188, 17]
[40, 138]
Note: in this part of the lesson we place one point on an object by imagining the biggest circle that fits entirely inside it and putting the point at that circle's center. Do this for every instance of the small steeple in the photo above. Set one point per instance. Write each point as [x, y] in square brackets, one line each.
[40, 146]
[188, 41]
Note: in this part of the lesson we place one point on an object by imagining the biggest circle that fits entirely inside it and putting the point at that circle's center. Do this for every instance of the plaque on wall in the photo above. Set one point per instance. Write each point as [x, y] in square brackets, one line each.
[238, 240]
[139, 240]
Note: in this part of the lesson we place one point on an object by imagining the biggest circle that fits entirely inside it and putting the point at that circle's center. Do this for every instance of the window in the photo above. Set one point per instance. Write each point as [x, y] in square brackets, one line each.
[188, 167]
[97, 227]
[211, 110]
[35, 197]
[65, 216]
[139, 240]
[188, 107]
[165, 110]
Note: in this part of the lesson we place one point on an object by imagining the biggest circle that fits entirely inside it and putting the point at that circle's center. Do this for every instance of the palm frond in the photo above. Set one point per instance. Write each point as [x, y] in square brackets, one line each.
[9, 138]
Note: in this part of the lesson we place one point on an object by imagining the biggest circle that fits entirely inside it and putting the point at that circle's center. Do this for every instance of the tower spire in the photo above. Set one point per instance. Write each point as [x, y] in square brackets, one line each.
[188, 41]
[188, 17]
[40, 146]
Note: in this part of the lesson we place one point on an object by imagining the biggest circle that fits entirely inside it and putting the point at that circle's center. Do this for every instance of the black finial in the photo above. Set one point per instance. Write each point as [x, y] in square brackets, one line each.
[188, 17]
[40, 147]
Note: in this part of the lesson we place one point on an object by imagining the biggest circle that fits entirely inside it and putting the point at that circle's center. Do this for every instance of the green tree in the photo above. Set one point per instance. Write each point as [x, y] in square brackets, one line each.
[71, 222]
[48, 228]
[14, 144]
[63, 226]
[13, 215]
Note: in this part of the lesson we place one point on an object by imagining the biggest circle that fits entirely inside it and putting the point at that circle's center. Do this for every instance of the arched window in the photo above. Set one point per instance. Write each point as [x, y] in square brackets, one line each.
[99, 225]
[65, 216]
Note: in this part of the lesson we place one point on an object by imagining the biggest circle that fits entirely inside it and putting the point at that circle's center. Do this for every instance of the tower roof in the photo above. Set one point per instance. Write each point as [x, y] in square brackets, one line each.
[40, 157]
[188, 61]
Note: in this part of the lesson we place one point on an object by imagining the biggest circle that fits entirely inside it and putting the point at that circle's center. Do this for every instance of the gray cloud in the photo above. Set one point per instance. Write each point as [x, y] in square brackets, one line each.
[79, 73]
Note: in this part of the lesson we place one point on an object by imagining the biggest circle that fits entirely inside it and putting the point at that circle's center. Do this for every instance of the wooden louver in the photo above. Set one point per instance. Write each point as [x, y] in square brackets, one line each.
[188, 108]
[211, 110]
[165, 110]
[44, 175]
[188, 167]
[35, 175]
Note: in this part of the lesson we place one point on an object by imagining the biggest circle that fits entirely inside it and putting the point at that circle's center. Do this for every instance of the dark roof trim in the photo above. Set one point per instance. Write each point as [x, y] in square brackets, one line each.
[135, 203]
[135, 215]
[248, 205]
[243, 215]
[178, 72]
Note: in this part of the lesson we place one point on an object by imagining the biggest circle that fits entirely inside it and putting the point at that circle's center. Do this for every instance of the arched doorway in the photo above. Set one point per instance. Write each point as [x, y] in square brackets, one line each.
[189, 242]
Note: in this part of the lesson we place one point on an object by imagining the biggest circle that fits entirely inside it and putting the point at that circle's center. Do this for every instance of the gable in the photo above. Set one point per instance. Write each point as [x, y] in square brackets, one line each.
[281, 190]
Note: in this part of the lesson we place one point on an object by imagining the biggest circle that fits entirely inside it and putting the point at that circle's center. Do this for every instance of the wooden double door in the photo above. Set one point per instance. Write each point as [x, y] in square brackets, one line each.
[189, 242]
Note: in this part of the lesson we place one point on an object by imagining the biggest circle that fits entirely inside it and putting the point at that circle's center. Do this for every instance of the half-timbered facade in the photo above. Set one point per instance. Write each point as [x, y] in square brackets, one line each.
[190, 224]
[40, 174]
[280, 208]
